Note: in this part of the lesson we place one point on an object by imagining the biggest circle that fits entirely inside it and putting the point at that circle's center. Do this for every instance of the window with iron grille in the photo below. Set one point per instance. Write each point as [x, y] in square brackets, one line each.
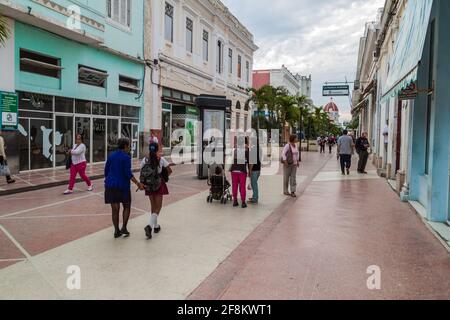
[230, 61]
[219, 62]
[239, 66]
[168, 22]
[205, 45]
[247, 71]
[189, 35]
[119, 11]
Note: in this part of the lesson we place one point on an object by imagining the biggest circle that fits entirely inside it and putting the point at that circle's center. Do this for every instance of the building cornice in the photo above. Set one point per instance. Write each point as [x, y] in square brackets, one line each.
[182, 66]
[218, 9]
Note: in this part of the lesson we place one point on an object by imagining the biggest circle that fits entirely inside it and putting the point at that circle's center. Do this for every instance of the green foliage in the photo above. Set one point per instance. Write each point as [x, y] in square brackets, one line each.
[286, 110]
[354, 124]
[4, 30]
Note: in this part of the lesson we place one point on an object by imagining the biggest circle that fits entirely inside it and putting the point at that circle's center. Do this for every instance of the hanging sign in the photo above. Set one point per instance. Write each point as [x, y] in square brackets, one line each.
[409, 93]
[336, 91]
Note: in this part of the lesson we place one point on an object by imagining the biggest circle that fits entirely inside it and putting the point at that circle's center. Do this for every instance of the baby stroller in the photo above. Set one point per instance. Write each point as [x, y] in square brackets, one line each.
[219, 186]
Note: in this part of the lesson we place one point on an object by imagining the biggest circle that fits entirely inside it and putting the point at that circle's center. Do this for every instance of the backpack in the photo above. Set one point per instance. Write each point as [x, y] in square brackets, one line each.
[150, 177]
[290, 157]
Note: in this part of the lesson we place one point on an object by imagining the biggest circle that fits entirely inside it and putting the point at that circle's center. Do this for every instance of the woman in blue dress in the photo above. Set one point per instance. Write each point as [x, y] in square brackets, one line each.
[118, 175]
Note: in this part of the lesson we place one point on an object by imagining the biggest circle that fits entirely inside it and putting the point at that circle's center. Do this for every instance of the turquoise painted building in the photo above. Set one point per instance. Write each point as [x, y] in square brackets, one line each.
[78, 67]
[430, 144]
[419, 73]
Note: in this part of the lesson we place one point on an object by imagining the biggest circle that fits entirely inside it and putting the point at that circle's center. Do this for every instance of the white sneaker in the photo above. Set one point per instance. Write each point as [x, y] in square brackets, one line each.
[67, 192]
[91, 188]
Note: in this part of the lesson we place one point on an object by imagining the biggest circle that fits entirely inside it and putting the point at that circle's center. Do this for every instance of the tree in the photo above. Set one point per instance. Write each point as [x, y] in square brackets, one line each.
[4, 30]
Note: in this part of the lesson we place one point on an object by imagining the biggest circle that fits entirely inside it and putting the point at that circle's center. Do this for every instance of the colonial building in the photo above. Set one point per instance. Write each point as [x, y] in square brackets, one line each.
[411, 73]
[197, 47]
[295, 84]
[75, 67]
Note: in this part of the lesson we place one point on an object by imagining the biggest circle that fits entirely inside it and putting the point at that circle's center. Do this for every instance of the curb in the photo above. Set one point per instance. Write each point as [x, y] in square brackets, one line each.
[50, 185]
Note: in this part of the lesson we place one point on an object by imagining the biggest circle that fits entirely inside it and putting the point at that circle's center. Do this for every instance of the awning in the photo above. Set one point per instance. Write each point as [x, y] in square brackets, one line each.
[409, 47]
[362, 105]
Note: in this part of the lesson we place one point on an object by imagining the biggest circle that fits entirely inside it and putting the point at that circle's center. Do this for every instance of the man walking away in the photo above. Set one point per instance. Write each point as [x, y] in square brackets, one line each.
[362, 148]
[345, 151]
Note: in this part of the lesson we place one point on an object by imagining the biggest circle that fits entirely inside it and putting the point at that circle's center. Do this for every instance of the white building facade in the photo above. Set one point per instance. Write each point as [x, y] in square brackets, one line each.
[197, 47]
[295, 84]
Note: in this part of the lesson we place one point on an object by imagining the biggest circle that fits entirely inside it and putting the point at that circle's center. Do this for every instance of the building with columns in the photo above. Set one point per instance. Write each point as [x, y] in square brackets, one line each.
[196, 47]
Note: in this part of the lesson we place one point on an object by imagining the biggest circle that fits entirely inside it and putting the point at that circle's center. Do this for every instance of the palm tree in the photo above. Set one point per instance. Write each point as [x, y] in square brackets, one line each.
[4, 30]
[286, 111]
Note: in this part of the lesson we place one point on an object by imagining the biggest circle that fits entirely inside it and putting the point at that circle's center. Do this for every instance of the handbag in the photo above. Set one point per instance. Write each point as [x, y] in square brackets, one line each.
[165, 174]
[68, 162]
[4, 169]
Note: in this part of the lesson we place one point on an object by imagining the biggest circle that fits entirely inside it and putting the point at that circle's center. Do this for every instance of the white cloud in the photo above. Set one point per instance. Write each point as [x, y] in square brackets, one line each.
[318, 37]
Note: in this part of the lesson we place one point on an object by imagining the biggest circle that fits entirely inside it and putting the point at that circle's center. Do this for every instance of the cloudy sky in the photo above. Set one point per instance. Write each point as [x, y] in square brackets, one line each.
[317, 37]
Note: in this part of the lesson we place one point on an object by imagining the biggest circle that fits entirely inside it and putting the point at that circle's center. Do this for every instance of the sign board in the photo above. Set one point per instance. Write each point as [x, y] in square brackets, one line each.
[409, 93]
[336, 91]
[9, 111]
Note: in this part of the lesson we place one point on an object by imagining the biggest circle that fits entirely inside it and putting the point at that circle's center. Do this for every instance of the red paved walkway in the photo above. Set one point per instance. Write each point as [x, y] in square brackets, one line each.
[320, 247]
[45, 219]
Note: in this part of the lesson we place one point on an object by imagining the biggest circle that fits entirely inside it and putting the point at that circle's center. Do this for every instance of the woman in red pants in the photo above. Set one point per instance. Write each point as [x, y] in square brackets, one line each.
[239, 172]
[79, 164]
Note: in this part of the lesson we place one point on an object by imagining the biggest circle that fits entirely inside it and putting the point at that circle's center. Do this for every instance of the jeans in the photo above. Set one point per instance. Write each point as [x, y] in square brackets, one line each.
[254, 180]
[81, 170]
[290, 178]
[238, 181]
[346, 161]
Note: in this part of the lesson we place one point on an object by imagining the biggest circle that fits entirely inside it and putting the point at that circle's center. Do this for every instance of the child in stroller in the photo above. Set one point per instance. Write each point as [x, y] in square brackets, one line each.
[220, 187]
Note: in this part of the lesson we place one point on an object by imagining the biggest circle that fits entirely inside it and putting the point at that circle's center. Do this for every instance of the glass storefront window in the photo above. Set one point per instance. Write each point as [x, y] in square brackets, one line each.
[83, 127]
[167, 93]
[41, 144]
[24, 148]
[99, 108]
[130, 112]
[99, 140]
[176, 95]
[40, 147]
[166, 132]
[113, 110]
[35, 102]
[63, 138]
[83, 107]
[64, 105]
[113, 135]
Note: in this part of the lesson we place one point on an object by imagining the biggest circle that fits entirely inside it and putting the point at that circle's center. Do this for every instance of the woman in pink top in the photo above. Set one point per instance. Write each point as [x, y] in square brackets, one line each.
[291, 162]
[79, 164]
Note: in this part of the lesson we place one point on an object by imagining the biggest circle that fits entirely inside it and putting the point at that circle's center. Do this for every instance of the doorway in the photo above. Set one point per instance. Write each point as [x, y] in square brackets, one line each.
[131, 131]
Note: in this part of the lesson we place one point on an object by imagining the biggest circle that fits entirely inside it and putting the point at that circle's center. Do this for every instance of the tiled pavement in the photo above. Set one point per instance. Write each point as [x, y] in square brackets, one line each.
[322, 246]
